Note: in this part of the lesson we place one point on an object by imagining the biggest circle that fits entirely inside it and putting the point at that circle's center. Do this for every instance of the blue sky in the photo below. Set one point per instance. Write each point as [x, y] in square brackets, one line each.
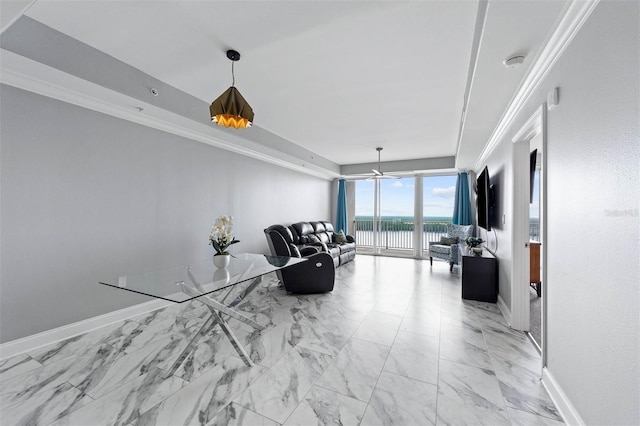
[398, 195]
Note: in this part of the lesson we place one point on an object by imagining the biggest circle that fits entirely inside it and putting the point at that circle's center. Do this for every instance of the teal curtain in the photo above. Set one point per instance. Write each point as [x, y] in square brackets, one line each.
[341, 214]
[462, 206]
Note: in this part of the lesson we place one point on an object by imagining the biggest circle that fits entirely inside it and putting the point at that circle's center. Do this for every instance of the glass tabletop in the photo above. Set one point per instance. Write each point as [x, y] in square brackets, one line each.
[200, 278]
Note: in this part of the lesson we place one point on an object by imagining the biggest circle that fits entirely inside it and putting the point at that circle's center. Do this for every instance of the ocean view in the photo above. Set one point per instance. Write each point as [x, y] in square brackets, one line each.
[443, 219]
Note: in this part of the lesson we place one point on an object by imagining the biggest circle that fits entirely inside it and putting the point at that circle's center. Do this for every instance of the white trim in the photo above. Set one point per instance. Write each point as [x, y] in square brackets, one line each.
[575, 16]
[35, 341]
[543, 233]
[418, 236]
[26, 74]
[566, 409]
[531, 128]
[520, 237]
[506, 313]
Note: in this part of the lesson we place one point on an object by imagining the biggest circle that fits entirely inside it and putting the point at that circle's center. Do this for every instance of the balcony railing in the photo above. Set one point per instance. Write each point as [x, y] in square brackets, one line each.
[534, 231]
[397, 234]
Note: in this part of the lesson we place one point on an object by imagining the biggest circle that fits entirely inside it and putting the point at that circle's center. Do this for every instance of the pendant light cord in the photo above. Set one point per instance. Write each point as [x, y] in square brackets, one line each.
[233, 76]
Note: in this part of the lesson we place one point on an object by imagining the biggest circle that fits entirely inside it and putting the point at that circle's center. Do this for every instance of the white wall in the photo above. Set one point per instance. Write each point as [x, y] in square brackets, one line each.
[86, 196]
[593, 154]
[498, 240]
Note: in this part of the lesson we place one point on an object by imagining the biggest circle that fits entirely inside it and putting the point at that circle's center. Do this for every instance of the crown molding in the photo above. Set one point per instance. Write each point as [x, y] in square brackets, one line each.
[576, 14]
[33, 76]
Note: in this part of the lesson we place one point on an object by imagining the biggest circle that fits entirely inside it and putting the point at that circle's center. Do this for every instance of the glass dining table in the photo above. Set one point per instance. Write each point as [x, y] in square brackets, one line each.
[210, 286]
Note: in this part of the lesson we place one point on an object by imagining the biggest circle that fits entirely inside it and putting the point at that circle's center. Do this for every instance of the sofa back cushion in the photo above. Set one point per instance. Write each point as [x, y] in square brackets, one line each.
[300, 232]
[462, 232]
[329, 229]
[320, 230]
[318, 227]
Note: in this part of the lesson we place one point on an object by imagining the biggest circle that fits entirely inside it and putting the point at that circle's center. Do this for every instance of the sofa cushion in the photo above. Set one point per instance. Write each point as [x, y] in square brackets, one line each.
[328, 226]
[318, 227]
[334, 250]
[299, 230]
[439, 248]
[323, 237]
[313, 238]
[447, 241]
[339, 237]
[347, 247]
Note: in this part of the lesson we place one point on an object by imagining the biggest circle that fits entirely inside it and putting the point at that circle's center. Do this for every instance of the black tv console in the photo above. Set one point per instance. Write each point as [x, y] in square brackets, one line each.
[479, 276]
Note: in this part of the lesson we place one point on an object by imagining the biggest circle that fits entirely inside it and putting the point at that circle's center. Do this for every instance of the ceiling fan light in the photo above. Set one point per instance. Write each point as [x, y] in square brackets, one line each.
[231, 110]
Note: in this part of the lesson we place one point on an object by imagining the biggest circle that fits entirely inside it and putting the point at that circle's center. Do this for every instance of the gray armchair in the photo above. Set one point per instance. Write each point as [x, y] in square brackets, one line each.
[450, 252]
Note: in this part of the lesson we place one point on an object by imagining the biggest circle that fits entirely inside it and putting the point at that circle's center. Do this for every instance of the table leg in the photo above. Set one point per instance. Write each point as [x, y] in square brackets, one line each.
[233, 339]
[217, 309]
[206, 327]
[223, 308]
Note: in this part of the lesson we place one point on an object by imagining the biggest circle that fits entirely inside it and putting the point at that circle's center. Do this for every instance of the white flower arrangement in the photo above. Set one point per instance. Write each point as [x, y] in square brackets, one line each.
[221, 235]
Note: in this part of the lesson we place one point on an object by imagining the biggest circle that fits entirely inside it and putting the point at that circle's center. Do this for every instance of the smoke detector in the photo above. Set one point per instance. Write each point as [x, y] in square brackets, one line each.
[513, 61]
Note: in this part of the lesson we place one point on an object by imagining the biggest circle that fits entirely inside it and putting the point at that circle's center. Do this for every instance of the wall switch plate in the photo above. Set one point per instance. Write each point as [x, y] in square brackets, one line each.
[552, 99]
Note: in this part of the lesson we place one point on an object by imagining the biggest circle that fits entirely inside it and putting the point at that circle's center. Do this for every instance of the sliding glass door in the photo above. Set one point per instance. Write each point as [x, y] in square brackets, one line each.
[385, 214]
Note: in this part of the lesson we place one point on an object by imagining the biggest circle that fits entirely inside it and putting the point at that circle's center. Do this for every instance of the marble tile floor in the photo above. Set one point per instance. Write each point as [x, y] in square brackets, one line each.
[393, 344]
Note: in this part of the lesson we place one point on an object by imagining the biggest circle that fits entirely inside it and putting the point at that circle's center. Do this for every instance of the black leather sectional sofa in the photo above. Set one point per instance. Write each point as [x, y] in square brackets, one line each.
[301, 236]
[317, 242]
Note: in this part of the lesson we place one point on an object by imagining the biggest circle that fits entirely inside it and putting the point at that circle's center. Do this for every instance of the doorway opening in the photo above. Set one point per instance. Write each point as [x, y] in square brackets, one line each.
[528, 311]
[535, 243]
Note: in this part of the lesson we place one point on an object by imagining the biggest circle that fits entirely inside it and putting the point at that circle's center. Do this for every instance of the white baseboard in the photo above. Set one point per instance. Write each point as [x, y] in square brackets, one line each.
[29, 343]
[568, 412]
[506, 312]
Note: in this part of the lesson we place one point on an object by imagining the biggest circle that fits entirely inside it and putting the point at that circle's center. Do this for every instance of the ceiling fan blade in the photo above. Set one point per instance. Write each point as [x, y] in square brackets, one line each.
[377, 172]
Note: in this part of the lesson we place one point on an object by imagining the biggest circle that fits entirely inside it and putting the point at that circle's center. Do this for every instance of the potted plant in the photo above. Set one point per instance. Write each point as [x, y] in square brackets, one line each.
[473, 243]
[221, 238]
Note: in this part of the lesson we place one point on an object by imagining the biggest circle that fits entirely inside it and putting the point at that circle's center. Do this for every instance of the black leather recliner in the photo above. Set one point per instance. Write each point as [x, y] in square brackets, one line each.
[316, 275]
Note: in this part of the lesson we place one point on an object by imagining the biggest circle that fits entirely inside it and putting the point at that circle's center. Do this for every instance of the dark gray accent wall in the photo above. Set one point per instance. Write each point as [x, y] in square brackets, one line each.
[87, 196]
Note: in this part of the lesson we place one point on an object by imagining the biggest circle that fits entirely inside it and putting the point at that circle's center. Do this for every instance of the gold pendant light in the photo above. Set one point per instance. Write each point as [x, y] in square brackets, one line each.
[231, 109]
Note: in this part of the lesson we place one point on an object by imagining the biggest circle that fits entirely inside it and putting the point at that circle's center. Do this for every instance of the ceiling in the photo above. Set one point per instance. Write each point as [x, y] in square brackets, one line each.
[338, 78]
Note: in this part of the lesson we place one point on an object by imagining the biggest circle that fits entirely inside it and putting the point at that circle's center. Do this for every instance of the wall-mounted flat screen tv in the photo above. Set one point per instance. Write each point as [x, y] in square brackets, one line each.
[484, 199]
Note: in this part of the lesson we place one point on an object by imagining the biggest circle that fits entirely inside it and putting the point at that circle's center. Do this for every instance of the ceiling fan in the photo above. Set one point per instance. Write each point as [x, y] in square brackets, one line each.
[377, 173]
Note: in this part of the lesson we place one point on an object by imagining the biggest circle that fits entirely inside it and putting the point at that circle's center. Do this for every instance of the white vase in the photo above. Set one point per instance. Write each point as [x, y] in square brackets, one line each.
[221, 276]
[221, 260]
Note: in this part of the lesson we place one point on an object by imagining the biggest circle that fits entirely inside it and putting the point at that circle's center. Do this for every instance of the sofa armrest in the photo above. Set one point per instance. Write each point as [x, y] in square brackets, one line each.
[316, 275]
[308, 250]
[295, 252]
[455, 252]
[322, 246]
